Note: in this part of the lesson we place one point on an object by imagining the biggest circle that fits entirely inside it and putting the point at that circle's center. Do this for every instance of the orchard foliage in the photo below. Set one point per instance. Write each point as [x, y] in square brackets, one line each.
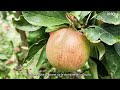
[23, 39]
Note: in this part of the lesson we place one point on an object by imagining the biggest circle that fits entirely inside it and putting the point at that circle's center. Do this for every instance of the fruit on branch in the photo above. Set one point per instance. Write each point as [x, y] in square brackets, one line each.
[67, 49]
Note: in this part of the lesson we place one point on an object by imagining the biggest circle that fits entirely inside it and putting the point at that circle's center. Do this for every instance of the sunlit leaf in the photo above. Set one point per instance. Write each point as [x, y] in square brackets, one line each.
[111, 17]
[108, 38]
[45, 18]
[96, 34]
[22, 24]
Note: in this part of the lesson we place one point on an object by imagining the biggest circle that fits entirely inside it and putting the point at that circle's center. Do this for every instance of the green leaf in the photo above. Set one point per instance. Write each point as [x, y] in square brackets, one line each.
[4, 71]
[112, 29]
[42, 57]
[102, 71]
[35, 36]
[113, 61]
[35, 48]
[101, 48]
[111, 17]
[3, 14]
[22, 24]
[54, 28]
[96, 34]
[3, 56]
[117, 48]
[31, 65]
[3, 68]
[93, 68]
[45, 18]
[93, 34]
[93, 51]
[108, 38]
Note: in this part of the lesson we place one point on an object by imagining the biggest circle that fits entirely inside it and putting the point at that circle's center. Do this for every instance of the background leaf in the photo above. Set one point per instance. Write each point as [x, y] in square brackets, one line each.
[95, 34]
[45, 18]
[117, 48]
[111, 17]
[35, 36]
[93, 68]
[101, 67]
[22, 24]
[101, 49]
[35, 48]
[4, 71]
[108, 38]
[112, 29]
[54, 28]
[93, 51]
[112, 62]
[3, 56]
[42, 57]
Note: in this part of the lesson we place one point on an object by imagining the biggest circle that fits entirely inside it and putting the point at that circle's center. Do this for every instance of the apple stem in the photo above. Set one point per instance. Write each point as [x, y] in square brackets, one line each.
[74, 22]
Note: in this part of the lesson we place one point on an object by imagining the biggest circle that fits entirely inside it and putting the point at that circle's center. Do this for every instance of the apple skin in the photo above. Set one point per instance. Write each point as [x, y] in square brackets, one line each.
[67, 49]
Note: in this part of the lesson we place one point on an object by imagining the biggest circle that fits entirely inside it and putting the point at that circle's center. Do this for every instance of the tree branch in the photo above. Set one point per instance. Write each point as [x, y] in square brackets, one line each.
[22, 36]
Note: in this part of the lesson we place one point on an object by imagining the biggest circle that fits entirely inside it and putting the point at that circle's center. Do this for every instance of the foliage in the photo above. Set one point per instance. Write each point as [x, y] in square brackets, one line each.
[102, 29]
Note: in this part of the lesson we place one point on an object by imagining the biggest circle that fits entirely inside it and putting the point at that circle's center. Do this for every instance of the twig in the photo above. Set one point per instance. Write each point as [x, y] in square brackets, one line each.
[22, 36]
